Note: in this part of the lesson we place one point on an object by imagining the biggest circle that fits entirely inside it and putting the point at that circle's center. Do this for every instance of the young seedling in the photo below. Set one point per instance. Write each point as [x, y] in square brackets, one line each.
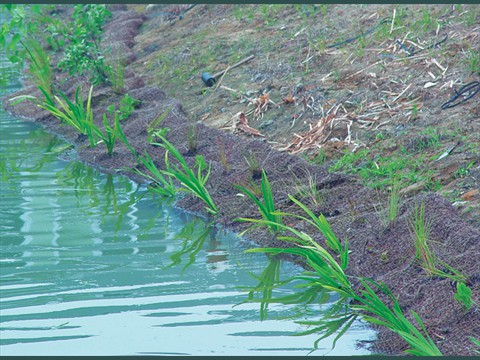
[393, 201]
[75, 114]
[253, 165]
[192, 182]
[420, 230]
[192, 139]
[223, 156]
[163, 184]
[267, 207]
[309, 190]
[153, 129]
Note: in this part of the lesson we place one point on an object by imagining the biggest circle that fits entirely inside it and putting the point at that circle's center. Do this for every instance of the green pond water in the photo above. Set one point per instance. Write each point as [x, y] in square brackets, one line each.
[92, 264]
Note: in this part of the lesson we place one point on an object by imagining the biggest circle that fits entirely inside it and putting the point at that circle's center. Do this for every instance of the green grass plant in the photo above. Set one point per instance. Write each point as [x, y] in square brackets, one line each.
[253, 165]
[116, 72]
[76, 114]
[375, 311]
[476, 342]
[321, 223]
[393, 201]
[309, 190]
[329, 274]
[267, 207]
[111, 134]
[420, 230]
[153, 129]
[109, 137]
[163, 184]
[192, 182]
[121, 135]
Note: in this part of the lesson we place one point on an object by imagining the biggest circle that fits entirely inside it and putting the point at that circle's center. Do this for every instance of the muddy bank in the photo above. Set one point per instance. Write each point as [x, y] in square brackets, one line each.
[383, 252]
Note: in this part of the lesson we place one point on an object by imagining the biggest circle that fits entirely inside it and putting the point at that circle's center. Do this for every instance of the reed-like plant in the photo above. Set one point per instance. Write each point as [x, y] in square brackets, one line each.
[329, 274]
[163, 184]
[267, 207]
[375, 311]
[320, 222]
[110, 135]
[192, 182]
[76, 114]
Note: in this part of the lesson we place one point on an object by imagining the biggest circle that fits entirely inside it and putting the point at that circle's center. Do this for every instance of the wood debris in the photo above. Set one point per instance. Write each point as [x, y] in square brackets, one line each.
[261, 104]
[240, 124]
[339, 123]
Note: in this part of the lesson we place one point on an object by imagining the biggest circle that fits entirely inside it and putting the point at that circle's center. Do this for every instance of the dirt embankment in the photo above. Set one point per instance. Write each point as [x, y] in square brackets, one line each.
[379, 250]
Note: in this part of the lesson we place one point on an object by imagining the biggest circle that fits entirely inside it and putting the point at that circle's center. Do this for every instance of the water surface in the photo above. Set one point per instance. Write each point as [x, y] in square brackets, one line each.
[92, 264]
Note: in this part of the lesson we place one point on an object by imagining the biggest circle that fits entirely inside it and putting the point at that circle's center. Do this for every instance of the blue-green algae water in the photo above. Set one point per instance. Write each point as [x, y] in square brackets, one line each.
[92, 264]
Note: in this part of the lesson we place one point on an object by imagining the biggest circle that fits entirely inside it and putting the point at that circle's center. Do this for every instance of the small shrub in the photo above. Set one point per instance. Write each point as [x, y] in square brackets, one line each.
[83, 53]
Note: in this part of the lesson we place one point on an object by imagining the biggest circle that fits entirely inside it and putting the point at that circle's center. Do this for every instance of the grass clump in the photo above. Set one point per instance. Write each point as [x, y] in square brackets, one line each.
[375, 311]
[116, 72]
[192, 182]
[420, 230]
[310, 190]
[393, 202]
[253, 165]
